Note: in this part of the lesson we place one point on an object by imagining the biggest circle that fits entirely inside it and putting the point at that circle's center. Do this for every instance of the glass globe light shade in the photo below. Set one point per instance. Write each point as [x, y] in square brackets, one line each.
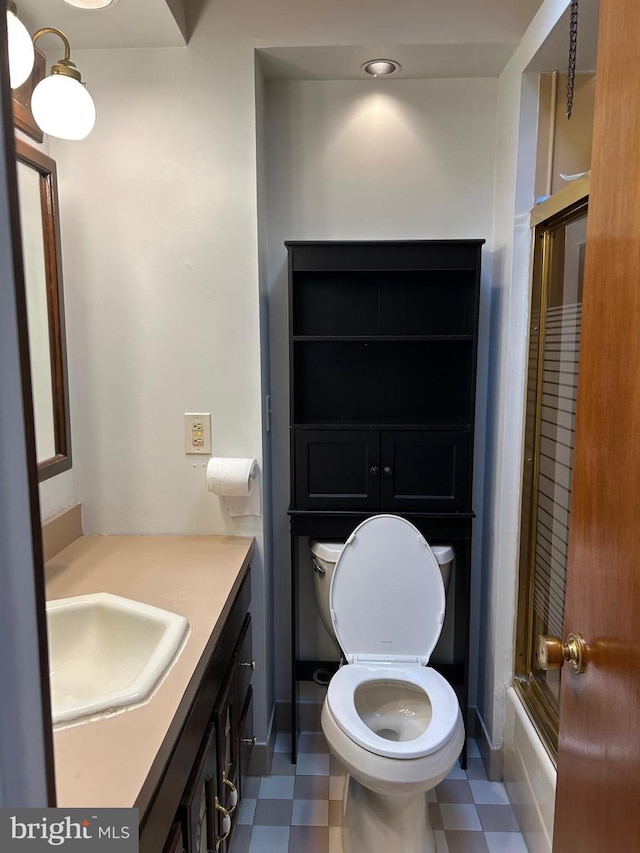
[90, 4]
[20, 47]
[62, 107]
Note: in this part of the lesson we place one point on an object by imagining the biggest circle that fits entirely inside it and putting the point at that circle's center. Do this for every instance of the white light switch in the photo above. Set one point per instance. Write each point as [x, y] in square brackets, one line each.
[197, 433]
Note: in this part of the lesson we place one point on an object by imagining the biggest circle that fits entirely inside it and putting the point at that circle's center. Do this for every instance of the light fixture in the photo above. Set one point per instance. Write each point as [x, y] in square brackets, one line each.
[381, 67]
[20, 47]
[91, 4]
[60, 102]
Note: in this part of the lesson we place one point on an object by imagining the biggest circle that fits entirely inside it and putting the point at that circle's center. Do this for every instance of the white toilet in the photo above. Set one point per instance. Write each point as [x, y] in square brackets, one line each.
[391, 720]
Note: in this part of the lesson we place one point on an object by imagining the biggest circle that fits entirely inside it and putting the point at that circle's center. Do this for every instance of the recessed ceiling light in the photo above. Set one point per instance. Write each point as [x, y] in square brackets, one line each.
[91, 4]
[381, 67]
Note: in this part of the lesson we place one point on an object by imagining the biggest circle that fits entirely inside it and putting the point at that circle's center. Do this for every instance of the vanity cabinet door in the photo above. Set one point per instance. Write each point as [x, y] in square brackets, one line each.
[226, 719]
[245, 662]
[246, 735]
[196, 809]
[175, 841]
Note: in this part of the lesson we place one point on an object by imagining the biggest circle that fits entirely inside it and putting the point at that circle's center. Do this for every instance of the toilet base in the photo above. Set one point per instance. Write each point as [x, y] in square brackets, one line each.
[373, 821]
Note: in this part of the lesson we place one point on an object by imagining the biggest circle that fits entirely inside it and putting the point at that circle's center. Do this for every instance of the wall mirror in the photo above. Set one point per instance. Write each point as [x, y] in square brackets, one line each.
[39, 221]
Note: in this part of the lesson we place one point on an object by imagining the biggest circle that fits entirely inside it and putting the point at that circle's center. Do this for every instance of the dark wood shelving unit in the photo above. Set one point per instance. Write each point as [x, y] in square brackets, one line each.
[382, 365]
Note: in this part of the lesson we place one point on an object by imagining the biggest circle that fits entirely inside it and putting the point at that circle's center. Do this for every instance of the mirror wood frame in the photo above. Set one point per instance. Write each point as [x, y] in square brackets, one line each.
[46, 168]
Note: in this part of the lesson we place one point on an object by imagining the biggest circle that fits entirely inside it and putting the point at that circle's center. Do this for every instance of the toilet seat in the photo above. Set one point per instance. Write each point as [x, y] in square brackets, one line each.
[445, 711]
[387, 595]
[387, 608]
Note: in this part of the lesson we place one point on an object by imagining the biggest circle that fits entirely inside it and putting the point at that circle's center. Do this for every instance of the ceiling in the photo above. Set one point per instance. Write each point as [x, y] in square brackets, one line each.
[554, 53]
[432, 40]
[416, 60]
[127, 23]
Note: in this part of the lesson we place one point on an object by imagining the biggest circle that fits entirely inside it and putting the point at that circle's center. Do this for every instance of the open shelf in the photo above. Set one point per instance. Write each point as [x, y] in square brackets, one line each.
[402, 303]
[432, 426]
[392, 382]
[382, 337]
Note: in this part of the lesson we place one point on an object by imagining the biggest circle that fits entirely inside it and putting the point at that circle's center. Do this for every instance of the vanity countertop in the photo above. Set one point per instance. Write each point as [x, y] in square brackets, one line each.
[117, 760]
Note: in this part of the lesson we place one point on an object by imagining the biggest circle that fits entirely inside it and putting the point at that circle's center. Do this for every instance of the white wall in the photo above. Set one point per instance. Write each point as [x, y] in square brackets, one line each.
[396, 159]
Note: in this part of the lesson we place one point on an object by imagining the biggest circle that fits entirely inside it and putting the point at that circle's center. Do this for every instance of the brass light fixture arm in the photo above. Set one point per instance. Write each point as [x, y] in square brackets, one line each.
[63, 66]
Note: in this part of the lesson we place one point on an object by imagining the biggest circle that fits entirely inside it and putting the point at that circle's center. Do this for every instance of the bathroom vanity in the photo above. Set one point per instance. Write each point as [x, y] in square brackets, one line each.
[382, 355]
[181, 756]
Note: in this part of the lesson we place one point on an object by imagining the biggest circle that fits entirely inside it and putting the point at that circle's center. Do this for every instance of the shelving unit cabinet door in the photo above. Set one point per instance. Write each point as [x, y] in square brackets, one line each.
[425, 471]
[337, 469]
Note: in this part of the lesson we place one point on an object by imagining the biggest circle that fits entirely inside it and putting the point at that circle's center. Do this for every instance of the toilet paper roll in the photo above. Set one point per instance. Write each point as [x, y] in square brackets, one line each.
[234, 481]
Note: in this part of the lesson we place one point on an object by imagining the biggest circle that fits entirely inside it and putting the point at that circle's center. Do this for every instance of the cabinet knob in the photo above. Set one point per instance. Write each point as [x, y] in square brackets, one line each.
[374, 471]
[250, 663]
[249, 741]
[388, 472]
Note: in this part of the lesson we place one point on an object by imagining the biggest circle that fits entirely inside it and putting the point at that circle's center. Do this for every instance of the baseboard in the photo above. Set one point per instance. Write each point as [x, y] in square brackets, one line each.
[262, 753]
[283, 716]
[310, 699]
[492, 756]
[473, 727]
[308, 716]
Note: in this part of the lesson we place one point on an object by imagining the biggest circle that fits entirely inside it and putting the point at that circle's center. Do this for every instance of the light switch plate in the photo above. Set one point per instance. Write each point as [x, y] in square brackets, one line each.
[197, 433]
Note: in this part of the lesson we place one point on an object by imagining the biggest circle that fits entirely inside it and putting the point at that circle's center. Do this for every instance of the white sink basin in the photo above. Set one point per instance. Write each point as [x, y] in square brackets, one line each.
[107, 652]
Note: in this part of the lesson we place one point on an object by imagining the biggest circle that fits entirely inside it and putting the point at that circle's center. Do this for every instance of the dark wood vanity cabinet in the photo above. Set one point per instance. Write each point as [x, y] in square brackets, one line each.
[383, 340]
[195, 806]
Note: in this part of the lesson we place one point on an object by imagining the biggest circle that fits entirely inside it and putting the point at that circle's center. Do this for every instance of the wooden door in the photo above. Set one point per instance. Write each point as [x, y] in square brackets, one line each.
[598, 788]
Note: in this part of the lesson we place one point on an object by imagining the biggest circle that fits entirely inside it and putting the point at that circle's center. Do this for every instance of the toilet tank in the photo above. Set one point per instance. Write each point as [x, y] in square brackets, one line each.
[327, 553]
[324, 556]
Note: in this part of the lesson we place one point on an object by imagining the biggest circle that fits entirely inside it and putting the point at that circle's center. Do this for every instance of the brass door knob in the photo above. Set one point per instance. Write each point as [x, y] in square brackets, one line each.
[552, 652]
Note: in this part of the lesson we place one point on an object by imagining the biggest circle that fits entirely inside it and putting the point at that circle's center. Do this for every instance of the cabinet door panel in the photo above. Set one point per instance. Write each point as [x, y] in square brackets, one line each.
[246, 736]
[175, 842]
[195, 809]
[425, 471]
[337, 469]
[226, 716]
[244, 661]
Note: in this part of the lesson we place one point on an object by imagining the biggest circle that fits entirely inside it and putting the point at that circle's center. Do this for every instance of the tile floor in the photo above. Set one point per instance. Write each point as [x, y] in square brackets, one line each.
[298, 809]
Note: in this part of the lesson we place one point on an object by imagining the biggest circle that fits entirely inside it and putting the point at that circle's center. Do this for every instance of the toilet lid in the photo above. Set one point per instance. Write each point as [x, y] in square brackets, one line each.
[387, 595]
